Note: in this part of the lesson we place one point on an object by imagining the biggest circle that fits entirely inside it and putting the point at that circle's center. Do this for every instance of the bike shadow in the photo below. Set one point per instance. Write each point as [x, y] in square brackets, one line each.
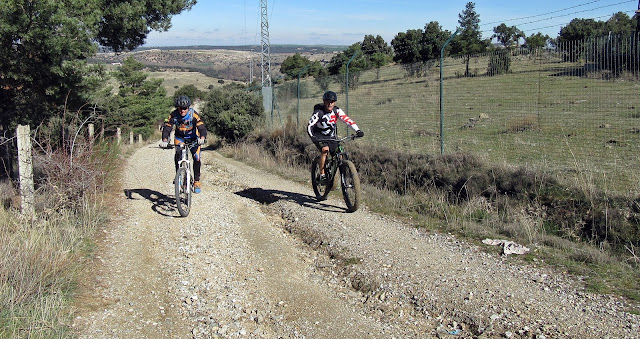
[161, 203]
[271, 196]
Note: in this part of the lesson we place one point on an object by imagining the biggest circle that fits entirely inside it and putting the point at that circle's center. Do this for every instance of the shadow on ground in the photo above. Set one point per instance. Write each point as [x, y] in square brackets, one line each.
[161, 203]
[271, 196]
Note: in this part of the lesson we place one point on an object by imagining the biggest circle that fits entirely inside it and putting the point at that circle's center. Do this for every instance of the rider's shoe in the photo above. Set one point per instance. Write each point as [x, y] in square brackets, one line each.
[323, 177]
[197, 188]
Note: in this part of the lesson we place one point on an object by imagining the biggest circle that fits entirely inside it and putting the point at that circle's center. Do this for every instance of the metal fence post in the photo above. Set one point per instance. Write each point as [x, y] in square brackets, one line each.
[298, 114]
[347, 80]
[441, 105]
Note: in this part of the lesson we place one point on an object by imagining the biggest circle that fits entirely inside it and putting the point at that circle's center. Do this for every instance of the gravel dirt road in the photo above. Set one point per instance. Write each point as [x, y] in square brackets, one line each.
[259, 257]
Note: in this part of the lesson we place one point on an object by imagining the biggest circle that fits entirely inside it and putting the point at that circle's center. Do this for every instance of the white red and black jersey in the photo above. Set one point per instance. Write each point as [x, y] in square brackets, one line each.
[323, 124]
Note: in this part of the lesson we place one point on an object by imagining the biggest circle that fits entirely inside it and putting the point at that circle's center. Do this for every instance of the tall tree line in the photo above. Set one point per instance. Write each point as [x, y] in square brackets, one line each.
[44, 46]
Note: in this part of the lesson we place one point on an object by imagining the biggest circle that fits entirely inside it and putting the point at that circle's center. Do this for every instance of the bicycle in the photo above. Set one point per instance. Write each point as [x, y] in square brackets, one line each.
[183, 181]
[349, 179]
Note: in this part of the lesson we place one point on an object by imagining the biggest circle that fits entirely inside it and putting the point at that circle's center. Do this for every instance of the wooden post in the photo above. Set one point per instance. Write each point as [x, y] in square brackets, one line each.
[131, 137]
[118, 135]
[25, 170]
[139, 138]
[91, 132]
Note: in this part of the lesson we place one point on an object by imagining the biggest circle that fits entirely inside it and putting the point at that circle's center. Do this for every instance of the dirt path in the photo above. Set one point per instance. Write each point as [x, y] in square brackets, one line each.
[259, 257]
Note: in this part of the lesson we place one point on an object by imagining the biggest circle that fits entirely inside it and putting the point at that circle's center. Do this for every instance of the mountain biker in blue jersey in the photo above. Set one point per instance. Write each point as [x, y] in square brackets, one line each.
[189, 128]
[322, 126]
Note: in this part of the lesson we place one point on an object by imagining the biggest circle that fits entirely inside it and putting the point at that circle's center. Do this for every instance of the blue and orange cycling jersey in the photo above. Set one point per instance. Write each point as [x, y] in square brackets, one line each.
[188, 127]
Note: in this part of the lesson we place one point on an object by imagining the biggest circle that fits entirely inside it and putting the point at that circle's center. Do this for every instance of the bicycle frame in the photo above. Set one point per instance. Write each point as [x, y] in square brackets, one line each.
[184, 178]
[184, 161]
[349, 179]
[334, 160]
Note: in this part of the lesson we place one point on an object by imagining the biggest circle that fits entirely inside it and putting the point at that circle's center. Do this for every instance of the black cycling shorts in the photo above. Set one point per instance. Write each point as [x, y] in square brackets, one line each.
[333, 145]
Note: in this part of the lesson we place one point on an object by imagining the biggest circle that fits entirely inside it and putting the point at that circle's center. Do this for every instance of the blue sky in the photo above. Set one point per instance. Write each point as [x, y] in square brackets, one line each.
[329, 22]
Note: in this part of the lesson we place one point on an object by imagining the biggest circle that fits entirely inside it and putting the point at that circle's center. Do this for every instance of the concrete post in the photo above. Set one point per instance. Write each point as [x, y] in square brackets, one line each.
[25, 170]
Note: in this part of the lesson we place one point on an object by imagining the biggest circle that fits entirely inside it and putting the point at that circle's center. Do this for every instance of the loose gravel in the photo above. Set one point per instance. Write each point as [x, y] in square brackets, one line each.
[260, 257]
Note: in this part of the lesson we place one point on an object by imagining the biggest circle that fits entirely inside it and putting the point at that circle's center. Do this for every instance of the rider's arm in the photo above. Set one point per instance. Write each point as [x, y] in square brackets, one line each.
[344, 117]
[314, 120]
[202, 130]
[167, 127]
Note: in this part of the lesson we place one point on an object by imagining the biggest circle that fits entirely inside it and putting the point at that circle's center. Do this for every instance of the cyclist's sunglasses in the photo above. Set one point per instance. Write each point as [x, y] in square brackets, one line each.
[183, 108]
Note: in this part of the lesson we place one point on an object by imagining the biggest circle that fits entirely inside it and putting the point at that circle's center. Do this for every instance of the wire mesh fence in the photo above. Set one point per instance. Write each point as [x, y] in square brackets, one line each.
[573, 109]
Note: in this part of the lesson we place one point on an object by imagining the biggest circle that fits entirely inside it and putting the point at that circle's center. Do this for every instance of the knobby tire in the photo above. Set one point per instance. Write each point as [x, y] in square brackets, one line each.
[350, 184]
[320, 189]
[183, 191]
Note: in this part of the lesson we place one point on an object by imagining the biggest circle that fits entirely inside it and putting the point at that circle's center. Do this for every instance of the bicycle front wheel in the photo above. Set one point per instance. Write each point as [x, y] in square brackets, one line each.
[320, 188]
[350, 184]
[183, 191]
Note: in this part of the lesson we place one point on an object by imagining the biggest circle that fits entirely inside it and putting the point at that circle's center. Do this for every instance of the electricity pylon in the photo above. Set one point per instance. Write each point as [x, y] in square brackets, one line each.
[266, 52]
[267, 89]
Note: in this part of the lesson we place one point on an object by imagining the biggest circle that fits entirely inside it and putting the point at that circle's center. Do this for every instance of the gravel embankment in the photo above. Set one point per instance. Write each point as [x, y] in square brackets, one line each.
[259, 257]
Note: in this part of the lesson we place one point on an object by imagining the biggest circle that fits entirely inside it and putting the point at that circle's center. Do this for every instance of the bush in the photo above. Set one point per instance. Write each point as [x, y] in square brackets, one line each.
[232, 113]
[189, 90]
[567, 211]
[499, 63]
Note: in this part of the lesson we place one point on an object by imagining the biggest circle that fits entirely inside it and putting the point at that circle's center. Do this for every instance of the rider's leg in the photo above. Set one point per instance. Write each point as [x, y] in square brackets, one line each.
[323, 158]
[176, 157]
[196, 163]
[196, 170]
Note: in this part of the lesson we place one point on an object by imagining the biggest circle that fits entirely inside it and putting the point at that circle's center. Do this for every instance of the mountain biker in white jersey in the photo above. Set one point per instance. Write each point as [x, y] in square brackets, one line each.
[322, 126]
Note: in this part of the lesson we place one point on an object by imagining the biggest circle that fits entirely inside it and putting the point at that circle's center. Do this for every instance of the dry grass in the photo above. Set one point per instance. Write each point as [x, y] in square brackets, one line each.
[177, 79]
[40, 258]
[510, 212]
[522, 124]
[39, 262]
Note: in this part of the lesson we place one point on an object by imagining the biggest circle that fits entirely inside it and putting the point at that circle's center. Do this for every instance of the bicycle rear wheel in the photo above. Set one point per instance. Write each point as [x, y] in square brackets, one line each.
[183, 191]
[350, 184]
[320, 188]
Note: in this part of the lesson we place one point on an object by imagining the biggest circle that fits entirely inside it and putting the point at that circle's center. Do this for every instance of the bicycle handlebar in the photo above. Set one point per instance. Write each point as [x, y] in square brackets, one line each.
[347, 138]
[187, 144]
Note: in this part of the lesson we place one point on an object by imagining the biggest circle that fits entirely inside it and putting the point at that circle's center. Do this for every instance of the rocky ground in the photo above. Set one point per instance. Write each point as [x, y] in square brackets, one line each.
[259, 257]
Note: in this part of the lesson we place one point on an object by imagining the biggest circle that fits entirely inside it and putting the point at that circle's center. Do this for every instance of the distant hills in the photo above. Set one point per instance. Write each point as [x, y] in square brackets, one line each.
[224, 62]
[256, 48]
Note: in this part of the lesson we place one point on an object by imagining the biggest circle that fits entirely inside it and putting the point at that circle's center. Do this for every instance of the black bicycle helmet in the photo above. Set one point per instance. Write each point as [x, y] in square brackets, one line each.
[332, 96]
[183, 101]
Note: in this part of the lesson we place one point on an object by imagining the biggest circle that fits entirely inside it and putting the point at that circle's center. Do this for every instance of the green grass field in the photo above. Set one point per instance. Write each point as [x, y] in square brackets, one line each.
[544, 114]
[176, 79]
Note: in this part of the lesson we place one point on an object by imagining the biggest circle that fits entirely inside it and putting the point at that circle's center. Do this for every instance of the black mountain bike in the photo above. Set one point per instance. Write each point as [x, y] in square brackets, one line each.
[349, 180]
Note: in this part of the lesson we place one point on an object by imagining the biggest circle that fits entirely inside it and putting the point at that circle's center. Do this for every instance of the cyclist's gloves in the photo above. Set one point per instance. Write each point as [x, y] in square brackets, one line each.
[164, 144]
[359, 133]
[200, 141]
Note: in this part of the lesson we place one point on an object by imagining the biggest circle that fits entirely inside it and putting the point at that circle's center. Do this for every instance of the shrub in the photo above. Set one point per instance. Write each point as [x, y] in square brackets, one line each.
[189, 90]
[232, 113]
[521, 124]
[499, 63]
[566, 211]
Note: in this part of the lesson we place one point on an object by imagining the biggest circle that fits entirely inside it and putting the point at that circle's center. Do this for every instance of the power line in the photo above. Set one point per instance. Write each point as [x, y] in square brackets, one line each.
[560, 24]
[535, 16]
[560, 16]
